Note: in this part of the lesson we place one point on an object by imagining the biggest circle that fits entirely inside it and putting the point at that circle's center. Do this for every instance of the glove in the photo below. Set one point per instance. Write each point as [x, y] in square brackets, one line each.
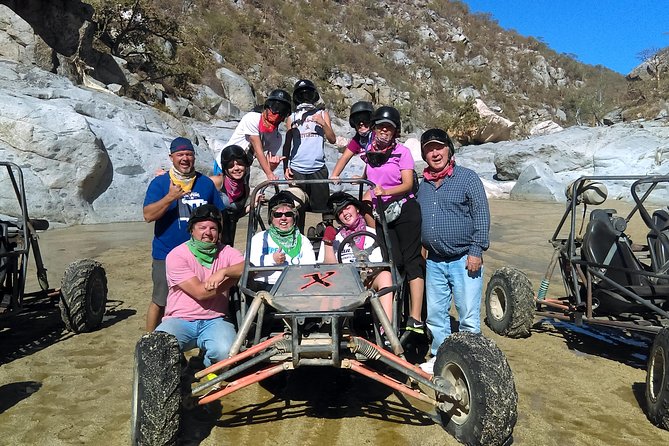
[329, 235]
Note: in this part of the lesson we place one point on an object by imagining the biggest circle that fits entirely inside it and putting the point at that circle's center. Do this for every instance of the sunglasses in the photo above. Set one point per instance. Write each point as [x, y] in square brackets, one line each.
[363, 123]
[289, 214]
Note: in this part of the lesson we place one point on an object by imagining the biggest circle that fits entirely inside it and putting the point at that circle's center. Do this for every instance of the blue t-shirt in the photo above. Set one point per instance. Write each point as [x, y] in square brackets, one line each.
[171, 229]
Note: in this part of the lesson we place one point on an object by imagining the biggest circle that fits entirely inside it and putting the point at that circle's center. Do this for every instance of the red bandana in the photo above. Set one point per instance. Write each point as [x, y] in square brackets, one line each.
[268, 121]
[447, 171]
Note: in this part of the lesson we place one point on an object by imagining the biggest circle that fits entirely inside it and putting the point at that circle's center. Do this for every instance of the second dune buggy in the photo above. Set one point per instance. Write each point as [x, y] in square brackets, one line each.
[609, 281]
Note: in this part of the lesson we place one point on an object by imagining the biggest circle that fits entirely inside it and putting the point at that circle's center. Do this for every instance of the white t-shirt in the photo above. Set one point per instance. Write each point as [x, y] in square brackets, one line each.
[262, 248]
[347, 255]
[249, 126]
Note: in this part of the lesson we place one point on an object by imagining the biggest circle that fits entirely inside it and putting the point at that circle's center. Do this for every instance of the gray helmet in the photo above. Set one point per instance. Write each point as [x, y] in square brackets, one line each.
[388, 114]
[361, 111]
[305, 91]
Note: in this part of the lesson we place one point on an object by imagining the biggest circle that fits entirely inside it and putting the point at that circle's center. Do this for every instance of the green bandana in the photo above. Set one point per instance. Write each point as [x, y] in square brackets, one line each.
[204, 252]
[290, 241]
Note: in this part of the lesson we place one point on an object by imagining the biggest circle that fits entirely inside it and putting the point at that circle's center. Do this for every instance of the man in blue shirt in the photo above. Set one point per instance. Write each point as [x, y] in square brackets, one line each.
[455, 232]
[169, 201]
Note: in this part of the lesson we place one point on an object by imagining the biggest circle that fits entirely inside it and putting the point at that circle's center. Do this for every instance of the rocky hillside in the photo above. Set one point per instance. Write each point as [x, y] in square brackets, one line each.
[88, 150]
[434, 60]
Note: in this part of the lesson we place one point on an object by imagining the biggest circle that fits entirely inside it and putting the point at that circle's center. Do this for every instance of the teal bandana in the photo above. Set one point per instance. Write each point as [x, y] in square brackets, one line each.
[290, 240]
[204, 252]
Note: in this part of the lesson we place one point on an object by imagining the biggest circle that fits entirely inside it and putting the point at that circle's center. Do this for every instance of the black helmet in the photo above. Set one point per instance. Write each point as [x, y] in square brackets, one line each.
[339, 200]
[231, 153]
[279, 102]
[205, 212]
[361, 111]
[436, 135]
[280, 198]
[388, 114]
[305, 91]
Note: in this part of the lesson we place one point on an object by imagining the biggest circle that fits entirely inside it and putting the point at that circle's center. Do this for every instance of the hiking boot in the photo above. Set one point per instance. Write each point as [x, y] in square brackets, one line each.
[415, 326]
[428, 366]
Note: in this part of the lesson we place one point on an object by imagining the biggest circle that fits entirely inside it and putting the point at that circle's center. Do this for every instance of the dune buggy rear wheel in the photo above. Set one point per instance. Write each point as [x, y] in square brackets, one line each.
[657, 381]
[509, 303]
[156, 391]
[477, 368]
[83, 295]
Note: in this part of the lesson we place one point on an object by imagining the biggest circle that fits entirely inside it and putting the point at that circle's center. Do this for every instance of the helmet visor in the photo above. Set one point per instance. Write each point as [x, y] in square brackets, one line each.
[278, 107]
[206, 213]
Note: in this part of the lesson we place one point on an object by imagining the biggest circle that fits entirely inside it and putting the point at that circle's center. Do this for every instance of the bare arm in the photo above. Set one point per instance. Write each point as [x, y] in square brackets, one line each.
[323, 119]
[217, 283]
[218, 180]
[256, 143]
[330, 255]
[341, 163]
[287, 145]
[155, 210]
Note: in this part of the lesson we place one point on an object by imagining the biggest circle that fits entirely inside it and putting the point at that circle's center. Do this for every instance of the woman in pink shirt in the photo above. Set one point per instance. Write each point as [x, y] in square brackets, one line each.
[390, 166]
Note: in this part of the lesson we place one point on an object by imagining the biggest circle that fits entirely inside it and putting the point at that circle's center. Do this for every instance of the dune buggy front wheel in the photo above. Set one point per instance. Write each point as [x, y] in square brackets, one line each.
[657, 381]
[487, 411]
[156, 391]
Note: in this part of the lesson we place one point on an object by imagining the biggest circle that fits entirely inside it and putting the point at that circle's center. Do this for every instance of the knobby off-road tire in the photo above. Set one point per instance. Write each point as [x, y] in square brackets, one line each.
[657, 381]
[83, 295]
[509, 303]
[156, 391]
[479, 371]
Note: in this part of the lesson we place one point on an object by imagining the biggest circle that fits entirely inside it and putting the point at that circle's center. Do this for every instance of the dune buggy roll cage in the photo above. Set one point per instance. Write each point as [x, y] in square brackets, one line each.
[605, 260]
[301, 306]
[25, 229]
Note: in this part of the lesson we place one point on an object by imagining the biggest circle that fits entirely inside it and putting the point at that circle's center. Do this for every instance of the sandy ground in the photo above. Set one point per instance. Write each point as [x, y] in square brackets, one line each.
[59, 389]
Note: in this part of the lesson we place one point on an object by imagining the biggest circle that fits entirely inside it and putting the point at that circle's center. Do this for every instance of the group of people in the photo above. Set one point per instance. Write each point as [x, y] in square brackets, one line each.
[438, 230]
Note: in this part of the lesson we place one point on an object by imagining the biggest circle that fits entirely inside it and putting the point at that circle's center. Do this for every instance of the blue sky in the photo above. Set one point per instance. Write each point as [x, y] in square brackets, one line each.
[602, 32]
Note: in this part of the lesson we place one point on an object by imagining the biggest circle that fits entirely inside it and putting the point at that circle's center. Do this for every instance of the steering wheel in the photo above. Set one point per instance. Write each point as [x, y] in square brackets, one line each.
[362, 255]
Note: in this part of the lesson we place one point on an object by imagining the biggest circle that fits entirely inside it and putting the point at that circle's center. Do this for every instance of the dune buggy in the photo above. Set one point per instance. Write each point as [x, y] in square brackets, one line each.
[322, 315]
[82, 297]
[609, 280]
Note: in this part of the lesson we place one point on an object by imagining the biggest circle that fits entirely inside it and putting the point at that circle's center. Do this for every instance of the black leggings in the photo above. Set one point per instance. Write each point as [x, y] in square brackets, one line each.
[405, 241]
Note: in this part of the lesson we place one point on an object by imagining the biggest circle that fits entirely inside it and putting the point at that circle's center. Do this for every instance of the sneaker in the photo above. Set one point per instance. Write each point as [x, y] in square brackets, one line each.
[416, 326]
[428, 366]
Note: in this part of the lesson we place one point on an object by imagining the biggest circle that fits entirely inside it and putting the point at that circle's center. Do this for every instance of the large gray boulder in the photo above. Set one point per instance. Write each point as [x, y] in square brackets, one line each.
[539, 183]
[87, 156]
[621, 149]
[19, 42]
[237, 89]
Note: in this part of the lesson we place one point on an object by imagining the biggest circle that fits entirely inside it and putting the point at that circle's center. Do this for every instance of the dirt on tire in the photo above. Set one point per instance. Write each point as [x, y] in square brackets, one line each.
[514, 289]
[479, 366]
[157, 394]
[657, 381]
[83, 295]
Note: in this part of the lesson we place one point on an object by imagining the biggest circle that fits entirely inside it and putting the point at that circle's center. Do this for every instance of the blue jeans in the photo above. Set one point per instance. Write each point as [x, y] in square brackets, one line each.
[214, 336]
[443, 280]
